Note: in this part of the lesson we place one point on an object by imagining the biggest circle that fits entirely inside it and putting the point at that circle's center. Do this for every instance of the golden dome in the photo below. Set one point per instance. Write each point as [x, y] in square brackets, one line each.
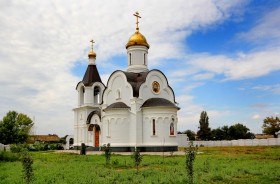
[91, 54]
[137, 39]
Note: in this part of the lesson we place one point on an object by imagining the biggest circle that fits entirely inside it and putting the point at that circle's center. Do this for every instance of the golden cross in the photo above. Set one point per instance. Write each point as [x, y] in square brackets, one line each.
[92, 42]
[137, 16]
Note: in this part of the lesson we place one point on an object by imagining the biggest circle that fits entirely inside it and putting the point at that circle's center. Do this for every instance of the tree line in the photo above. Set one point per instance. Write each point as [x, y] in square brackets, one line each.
[270, 126]
[15, 128]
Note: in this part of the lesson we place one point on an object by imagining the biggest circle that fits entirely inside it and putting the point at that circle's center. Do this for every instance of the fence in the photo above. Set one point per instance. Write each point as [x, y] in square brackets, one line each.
[240, 142]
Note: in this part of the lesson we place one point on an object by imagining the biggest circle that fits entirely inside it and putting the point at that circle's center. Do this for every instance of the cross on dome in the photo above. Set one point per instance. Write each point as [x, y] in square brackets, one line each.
[92, 42]
[136, 14]
[92, 54]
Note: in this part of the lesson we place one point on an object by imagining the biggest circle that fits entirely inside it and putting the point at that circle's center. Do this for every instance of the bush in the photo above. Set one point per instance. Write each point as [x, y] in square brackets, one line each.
[17, 148]
[6, 156]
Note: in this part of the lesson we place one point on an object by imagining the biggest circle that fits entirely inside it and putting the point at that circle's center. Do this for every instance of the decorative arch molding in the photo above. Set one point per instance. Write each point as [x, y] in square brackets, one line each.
[163, 79]
[95, 112]
[110, 82]
[79, 85]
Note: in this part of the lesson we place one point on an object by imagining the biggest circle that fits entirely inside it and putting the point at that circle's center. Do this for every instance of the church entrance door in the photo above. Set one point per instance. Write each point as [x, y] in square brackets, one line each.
[96, 137]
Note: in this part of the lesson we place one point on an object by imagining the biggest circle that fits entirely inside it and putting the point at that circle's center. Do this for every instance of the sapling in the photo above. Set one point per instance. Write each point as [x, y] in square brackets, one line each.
[107, 152]
[27, 162]
[190, 157]
[137, 158]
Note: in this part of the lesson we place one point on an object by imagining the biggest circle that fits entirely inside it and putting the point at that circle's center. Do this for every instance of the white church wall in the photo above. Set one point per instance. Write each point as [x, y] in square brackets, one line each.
[116, 128]
[146, 91]
[80, 125]
[137, 55]
[163, 117]
[137, 59]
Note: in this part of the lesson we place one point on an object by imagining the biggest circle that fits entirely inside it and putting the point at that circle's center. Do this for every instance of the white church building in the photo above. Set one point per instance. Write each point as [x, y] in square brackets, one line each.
[136, 108]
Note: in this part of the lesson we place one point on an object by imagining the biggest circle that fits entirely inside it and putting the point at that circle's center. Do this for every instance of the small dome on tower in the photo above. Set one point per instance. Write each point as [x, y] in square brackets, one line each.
[91, 54]
[137, 39]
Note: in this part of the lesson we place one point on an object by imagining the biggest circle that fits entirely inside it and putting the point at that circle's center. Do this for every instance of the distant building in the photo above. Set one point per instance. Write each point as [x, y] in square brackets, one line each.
[263, 136]
[44, 138]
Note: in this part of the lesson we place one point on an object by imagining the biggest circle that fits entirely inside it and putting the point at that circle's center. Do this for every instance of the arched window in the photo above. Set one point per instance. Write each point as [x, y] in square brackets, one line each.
[71, 141]
[144, 59]
[171, 130]
[118, 94]
[96, 95]
[154, 127]
[82, 92]
[129, 58]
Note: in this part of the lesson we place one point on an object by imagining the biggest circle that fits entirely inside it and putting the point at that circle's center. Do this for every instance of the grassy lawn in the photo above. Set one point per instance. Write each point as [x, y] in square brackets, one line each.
[214, 165]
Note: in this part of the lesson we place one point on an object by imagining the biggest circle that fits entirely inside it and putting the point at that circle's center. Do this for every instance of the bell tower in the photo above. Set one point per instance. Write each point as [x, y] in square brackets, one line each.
[87, 112]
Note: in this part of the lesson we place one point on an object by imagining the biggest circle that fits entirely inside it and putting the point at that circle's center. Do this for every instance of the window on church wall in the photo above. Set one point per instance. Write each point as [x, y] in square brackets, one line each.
[172, 130]
[71, 141]
[82, 93]
[154, 127]
[129, 58]
[96, 95]
[108, 128]
[118, 94]
[144, 59]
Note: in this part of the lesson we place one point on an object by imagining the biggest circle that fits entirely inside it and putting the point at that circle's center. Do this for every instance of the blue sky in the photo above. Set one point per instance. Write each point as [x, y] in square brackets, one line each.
[219, 56]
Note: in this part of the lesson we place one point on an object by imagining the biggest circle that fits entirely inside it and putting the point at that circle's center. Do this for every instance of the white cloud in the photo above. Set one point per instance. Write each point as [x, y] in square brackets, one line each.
[243, 66]
[266, 31]
[41, 41]
[203, 76]
[272, 88]
[256, 116]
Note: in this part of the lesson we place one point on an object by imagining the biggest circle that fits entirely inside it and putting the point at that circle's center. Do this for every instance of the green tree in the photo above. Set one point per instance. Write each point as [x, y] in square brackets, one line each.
[271, 125]
[204, 132]
[220, 133]
[190, 134]
[239, 131]
[14, 128]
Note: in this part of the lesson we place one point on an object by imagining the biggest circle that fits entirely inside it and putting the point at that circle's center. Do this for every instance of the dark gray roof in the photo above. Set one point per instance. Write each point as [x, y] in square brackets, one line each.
[118, 105]
[135, 80]
[158, 102]
[97, 111]
[91, 76]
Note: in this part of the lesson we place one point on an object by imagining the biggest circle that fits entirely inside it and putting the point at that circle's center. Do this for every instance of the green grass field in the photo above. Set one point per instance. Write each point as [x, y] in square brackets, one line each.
[214, 165]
